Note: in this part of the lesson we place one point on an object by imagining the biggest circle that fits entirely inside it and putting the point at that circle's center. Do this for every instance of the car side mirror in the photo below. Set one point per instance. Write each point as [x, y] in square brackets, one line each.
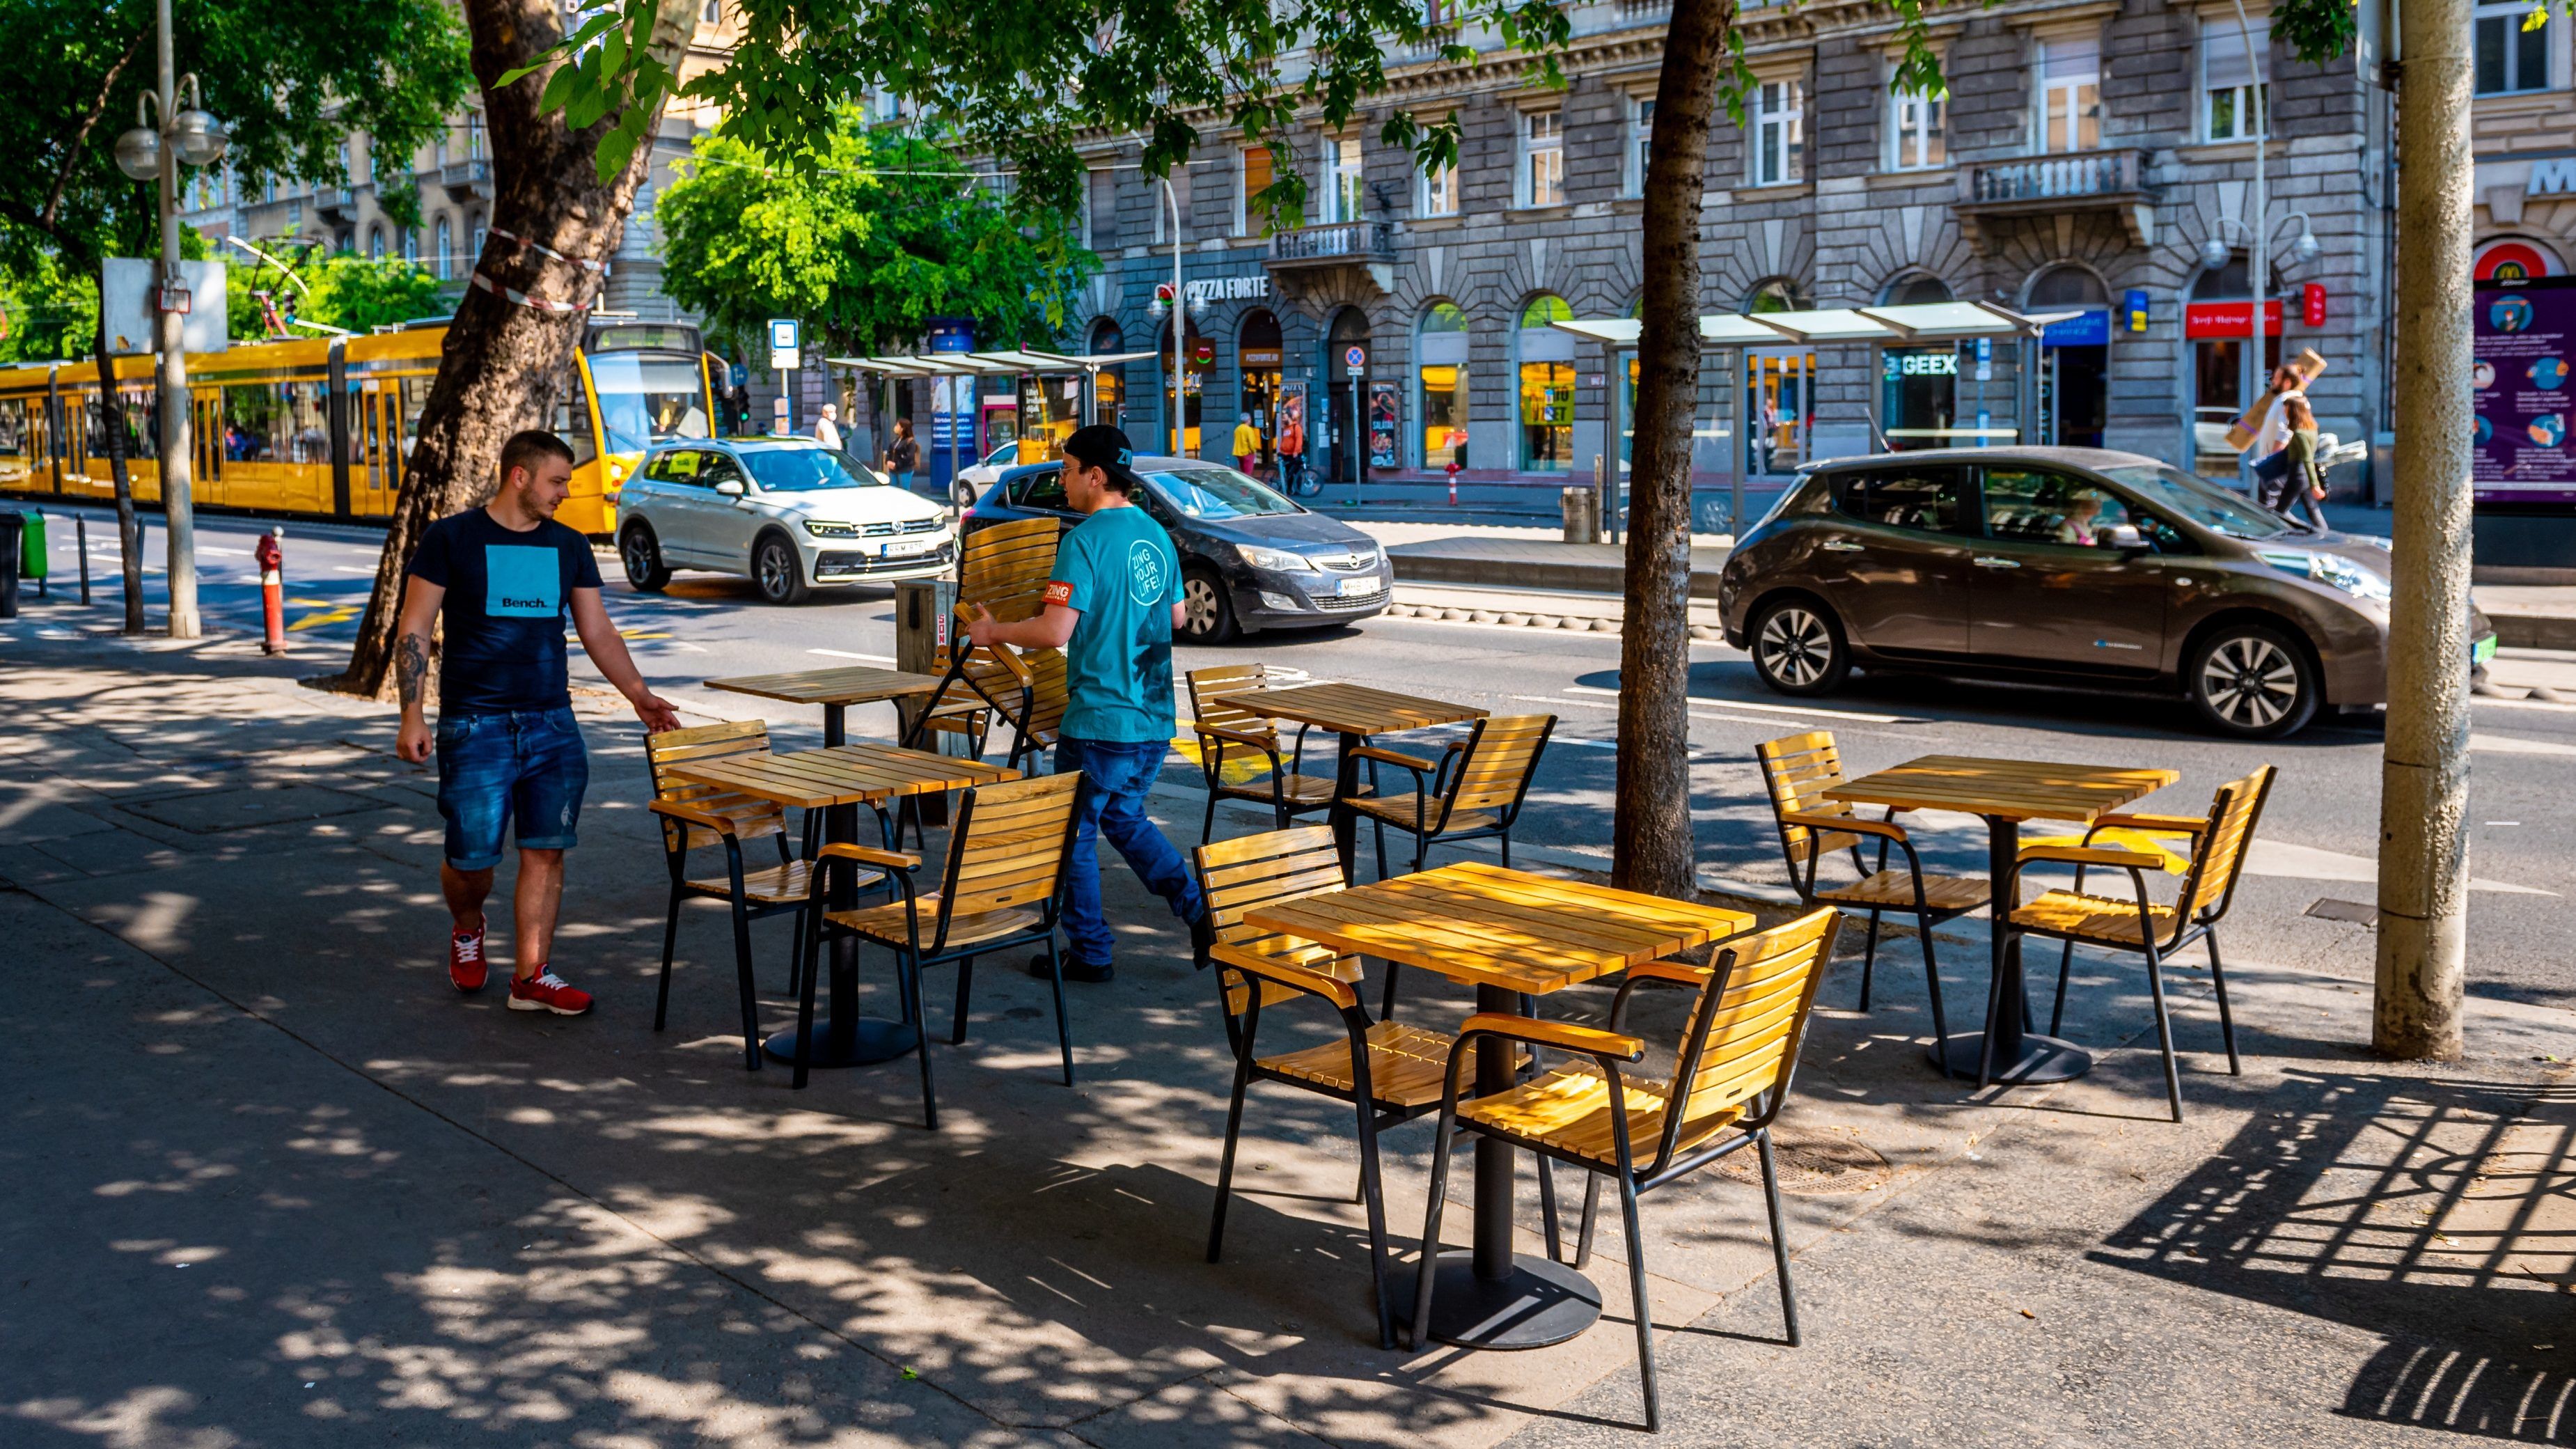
[732, 488]
[2123, 536]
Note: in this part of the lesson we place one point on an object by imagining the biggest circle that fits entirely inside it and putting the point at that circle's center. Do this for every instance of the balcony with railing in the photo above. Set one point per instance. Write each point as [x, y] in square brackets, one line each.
[2114, 180]
[1334, 244]
[467, 179]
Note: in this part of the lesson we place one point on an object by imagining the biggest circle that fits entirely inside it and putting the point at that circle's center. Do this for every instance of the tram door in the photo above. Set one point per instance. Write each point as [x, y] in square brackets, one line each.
[206, 431]
[378, 475]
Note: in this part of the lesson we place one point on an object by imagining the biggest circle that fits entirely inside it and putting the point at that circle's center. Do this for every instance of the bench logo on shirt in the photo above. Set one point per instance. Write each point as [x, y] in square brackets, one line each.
[1146, 578]
[522, 583]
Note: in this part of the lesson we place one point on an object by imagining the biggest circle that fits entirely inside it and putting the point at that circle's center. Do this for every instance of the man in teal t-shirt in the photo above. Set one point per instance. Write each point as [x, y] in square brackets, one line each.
[1112, 606]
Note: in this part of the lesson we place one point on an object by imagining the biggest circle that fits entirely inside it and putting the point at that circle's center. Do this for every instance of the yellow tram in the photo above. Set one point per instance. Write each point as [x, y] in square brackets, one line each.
[320, 427]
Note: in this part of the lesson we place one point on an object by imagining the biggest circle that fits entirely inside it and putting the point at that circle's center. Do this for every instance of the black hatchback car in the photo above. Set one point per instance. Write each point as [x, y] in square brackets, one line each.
[1250, 558]
[2068, 565]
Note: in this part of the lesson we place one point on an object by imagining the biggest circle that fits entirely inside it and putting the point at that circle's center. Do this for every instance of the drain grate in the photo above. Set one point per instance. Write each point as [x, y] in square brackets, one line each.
[2354, 912]
[1813, 1162]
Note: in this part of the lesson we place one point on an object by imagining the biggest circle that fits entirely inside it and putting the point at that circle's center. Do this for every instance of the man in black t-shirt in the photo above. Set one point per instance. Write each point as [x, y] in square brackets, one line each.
[499, 580]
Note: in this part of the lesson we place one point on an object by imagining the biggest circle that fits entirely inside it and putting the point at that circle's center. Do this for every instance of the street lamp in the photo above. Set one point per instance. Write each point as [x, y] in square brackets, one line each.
[184, 138]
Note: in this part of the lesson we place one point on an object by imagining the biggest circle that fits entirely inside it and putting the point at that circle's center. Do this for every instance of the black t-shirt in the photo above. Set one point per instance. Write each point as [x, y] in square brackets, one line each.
[507, 595]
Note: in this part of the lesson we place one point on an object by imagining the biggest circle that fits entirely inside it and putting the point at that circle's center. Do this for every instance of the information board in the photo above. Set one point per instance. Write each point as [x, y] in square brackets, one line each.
[2526, 344]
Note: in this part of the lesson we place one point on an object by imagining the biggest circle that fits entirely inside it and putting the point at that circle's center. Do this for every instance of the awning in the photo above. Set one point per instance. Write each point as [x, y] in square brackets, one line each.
[1914, 322]
[983, 364]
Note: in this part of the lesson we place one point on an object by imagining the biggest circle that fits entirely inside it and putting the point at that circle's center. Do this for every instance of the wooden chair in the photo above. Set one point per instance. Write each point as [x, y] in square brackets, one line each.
[1739, 1050]
[1797, 770]
[697, 816]
[2219, 842]
[1388, 1073]
[1000, 889]
[1473, 791]
[1222, 724]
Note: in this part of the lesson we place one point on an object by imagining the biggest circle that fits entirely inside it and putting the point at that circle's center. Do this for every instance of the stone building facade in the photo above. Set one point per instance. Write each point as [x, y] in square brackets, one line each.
[2084, 155]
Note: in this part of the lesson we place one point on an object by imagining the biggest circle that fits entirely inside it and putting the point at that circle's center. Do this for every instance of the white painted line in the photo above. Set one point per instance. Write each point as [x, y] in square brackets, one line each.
[1611, 636]
[1789, 709]
[2515, 745]
[1552, 699]
[846, 654]
[245, 553]
[354, 569]
[2483, 702]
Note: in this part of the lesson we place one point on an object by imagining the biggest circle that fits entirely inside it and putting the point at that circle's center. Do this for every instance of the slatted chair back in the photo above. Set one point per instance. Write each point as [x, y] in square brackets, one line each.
[1501, 757]
[1209, 706]
[753, 818]
[1245, 874]
[1742, 1037]
[2220, 859]
[1049, 694]
[1005, 568]
[1009, 845]
[1797, 770]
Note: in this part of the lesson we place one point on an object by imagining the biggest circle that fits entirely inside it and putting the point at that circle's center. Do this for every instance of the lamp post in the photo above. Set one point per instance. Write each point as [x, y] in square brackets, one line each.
[194, 138]
[1180, 382]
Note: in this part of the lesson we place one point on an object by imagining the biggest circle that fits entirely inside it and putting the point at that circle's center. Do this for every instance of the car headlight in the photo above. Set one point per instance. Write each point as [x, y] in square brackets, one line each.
[831, 530]
[2332, 570]
[1277, 560]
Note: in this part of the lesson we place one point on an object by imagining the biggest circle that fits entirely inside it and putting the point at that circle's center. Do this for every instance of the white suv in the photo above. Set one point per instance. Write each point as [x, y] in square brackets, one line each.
[787, 513]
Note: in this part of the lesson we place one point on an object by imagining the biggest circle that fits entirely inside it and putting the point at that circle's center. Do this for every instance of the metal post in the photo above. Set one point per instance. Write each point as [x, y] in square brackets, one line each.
[80, 528]
[1180, 305]
[1741, 436]
[2258, 248]
[177, 508]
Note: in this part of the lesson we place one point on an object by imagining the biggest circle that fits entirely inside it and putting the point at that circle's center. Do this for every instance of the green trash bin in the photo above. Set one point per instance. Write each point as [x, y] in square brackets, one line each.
[31, 547]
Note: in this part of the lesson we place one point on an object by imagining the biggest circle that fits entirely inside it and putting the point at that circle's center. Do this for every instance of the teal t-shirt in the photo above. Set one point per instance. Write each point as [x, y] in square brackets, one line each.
[1118, 571]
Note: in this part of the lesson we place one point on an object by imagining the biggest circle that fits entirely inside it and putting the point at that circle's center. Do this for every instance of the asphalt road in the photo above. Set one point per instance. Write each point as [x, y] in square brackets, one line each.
[2319, 835]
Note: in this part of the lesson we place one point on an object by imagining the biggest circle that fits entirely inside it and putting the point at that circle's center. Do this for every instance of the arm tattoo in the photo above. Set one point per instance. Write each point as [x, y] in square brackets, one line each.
[411, 663]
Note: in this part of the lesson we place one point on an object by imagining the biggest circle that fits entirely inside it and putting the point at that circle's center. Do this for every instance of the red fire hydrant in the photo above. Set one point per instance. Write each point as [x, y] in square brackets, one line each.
[1453, 482]
[272, 590]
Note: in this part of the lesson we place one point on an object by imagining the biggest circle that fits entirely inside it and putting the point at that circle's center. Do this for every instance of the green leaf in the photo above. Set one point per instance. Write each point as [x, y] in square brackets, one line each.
[612, 54]
[559, 88]
[616, 147]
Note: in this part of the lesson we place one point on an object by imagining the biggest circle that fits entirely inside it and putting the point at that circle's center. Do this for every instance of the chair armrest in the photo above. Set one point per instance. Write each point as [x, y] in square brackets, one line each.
[870, 855]
[1563, 1035]
[1680, 973]
[1236, 737]
[1009, 658]
[2088, 855]
[1398, 757]
[1848, 824]
[2191, 825]
[679, 810]
[1281, 973]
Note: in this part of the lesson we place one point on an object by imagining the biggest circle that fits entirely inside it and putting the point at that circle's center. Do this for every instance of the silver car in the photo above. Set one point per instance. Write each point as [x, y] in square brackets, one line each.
[787, 513]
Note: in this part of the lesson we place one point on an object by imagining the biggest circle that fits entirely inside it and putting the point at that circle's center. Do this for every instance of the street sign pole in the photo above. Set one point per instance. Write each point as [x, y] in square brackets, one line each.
[176, 504]
[785, 349]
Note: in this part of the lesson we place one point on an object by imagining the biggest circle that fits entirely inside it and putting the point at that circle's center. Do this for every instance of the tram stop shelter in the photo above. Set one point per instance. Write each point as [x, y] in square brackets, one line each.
[1054, 393]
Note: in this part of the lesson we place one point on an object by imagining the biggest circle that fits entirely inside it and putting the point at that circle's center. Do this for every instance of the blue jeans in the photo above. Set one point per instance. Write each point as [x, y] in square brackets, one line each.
[1113, 804]
[497, 770]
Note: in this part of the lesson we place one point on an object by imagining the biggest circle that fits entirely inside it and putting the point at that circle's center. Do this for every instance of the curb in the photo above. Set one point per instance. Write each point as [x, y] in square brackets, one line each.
[2535, 631]
[1571, 623]
[1575, 578]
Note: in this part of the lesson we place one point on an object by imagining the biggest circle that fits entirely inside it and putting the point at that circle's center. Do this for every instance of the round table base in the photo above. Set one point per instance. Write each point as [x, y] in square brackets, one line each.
[877, 1040]
[1542, 1302]
[2039, 1059]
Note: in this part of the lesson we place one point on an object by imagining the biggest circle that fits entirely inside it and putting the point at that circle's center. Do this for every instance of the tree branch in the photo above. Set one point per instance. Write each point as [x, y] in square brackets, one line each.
[89, 122]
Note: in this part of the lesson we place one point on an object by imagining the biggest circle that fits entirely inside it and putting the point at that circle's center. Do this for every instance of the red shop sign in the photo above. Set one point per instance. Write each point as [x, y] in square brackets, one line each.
[2312, 304]
[2221, 320]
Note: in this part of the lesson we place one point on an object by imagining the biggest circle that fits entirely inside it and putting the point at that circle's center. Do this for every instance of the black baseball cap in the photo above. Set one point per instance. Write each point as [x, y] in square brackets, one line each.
[1107, 449]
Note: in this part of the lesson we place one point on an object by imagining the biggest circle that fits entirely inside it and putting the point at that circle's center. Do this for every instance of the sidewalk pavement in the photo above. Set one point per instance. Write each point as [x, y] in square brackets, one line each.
[273, 1182]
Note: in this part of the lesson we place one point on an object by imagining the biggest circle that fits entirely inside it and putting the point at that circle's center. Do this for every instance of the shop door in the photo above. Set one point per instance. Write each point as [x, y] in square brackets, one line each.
[206, 442]
[1348, 438]
[1776, 413]
[1261, 401]
[379, 451]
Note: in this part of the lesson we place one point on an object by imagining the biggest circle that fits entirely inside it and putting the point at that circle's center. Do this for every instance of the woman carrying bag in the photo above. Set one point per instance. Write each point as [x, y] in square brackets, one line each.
[2291, 477]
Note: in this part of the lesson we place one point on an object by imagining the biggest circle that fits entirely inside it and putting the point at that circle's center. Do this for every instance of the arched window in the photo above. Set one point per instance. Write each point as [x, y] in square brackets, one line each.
[1546, 385]
[2062, 286]
[1779, 294]
[1914, 290]
[474, 258]
[376, 242]
[1440, 371]
[411, 245]
[446, 247]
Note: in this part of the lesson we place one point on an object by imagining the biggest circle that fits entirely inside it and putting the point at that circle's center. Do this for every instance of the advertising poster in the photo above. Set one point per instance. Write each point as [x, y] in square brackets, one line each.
[1385, 419]
[2526, 342]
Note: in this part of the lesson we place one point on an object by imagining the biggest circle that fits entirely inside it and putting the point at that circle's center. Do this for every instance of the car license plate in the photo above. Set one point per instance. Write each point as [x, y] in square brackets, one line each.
[2483, 650]
[1360, 588]
[905, 548]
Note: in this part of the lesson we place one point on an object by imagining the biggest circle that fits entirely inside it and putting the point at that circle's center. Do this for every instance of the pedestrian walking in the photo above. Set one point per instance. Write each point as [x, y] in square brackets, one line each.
[1112, 606]
[1292, 442]
[2290, 477]
[902, 454]
[827, 427]
[498, 581]
[1247, 443]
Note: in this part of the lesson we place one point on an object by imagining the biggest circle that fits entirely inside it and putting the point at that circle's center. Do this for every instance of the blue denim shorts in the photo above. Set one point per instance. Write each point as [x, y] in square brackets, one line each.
[496, 769]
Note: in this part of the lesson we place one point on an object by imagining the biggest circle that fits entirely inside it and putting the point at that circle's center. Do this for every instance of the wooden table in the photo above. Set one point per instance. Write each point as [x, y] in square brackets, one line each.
[1354, 712]
[1507, 932]
[836, 780]
[2006, 793]
[835, 689]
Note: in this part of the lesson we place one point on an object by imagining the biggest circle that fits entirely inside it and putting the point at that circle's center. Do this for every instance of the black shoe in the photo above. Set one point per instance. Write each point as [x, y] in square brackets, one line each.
[1202, 937]
[1073, 970]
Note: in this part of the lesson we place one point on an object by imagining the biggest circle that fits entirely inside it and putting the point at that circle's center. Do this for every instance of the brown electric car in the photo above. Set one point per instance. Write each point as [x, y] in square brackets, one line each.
[2071, 565]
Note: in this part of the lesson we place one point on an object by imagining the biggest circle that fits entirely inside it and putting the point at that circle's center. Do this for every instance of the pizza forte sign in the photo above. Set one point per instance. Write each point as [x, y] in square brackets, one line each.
[1228, 289]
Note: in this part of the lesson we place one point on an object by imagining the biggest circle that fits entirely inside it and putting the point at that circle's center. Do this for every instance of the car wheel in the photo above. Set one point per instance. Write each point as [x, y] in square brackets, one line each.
[962, 493]
[641, 552]
[777, 573]
[1207, 613]
[2253, 681]
[1798, 648]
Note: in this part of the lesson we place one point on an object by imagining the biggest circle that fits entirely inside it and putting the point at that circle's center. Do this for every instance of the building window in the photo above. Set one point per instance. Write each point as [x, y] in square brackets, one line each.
[474, 135]
[1777, 127]
[2070, 94]
[1253, 177]
[2231, 92]
[411, 245]
[2511, 54]
[1440, 367]
[1914, 125]
[1439, 192]
[1542, 169]
[474, 258]
[376, 242]
[1641, 138]
[712, 13]
[446, 246]
[1344, 199]
[1546, 386]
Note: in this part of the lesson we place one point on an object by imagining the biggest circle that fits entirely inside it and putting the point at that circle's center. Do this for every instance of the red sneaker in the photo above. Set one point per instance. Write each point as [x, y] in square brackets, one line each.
[546, 991]
[465, 959]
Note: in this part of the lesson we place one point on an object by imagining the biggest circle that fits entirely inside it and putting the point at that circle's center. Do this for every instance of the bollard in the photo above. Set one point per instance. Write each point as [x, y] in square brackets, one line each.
[34, 553]
[80, 529]
[1582, 520]
[1453, 482]
[13, 525]
[271, 558]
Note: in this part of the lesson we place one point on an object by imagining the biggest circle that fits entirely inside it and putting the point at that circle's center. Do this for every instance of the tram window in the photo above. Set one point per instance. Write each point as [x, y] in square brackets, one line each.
[13, 425]
[250, 421]
[142, 425]
[303, 435]
[415, 400]
[572, 420]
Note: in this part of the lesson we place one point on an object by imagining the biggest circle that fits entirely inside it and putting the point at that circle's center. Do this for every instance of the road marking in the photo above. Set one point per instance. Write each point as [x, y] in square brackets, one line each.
[354, 569]
[2512, 745]
[2540, 704]
[1609, 636]
[2309, 862]
[340, 614]
[846, 654]
[245, 553]
[1789, 709]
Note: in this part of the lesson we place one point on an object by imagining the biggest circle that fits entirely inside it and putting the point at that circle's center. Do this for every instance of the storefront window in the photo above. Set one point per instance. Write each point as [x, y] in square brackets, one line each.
[1918, 395]
[1546, 386]
[1109, 387]
[1440, 354]
[1777, 421]
[1260, 358]
[2217, 321]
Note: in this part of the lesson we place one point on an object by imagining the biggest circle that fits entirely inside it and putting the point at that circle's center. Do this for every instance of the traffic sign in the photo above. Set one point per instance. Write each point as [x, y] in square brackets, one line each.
[1355, 358]
[784, 344]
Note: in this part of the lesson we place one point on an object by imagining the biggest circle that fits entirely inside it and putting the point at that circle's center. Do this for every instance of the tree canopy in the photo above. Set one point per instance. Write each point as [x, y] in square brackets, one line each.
[867, 236]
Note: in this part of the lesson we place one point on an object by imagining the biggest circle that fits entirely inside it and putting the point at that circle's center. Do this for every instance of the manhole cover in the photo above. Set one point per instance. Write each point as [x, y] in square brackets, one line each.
[1813, 1162]
[2330, 909]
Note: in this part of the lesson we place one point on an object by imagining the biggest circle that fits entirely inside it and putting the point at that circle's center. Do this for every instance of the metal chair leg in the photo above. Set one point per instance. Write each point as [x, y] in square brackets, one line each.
[805, 998]
[1591, 1205]
[2164, 1031]
[1386, 994]
[1868, 959]
[1547, 1208]
[1994, 1005]
[1419, 1335]
[1932, 982]
[2065, 964]
[1371, 1189]
[743, 981]
[1225, 1165]
[908, 974]
[1638, 1301]
[1207, 827]
[670, 939]
[1063, 1027]
[965, 983]
[2226, 1018]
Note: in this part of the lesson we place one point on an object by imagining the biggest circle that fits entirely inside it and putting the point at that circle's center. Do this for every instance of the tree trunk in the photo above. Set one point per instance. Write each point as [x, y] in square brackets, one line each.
[2424, 768]
[504, 362]
[1653, 850]
[129, 529]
